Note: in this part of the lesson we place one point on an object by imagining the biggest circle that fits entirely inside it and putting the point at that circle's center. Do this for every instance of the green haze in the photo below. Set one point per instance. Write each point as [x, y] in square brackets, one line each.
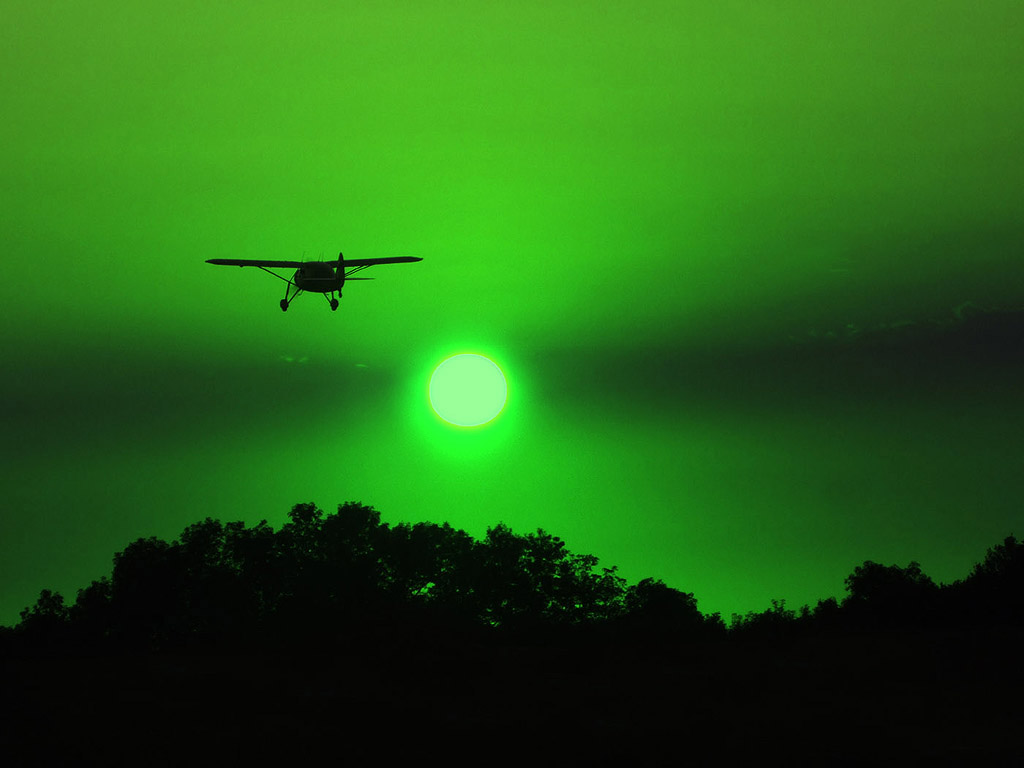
[671, 224]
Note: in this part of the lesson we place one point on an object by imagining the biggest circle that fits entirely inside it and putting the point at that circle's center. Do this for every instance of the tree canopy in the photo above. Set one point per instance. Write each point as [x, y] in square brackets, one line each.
[349, 577]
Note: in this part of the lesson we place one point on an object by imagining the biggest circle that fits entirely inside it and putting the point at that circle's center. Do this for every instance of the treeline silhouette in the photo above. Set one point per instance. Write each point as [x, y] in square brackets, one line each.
[349, 578]
[338, 635]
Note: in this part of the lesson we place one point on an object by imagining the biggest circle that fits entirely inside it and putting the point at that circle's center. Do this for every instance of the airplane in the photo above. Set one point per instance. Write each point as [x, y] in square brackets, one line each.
[324, 277]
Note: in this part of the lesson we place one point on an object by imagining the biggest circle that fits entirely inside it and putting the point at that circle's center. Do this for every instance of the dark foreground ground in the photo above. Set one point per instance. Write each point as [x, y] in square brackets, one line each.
[906, 699]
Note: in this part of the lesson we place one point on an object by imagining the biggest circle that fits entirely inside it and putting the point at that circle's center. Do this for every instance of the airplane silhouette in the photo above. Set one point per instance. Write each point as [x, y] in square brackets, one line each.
[324, 277]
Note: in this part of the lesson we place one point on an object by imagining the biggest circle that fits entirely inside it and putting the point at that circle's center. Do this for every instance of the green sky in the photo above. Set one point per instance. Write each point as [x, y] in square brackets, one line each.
[654, 216]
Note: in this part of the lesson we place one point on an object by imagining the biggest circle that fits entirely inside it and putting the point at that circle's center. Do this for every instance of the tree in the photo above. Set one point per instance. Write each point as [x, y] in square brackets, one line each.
[1003, 561]
[993, 593]
[45, 624]
[332, 575]
[253, 554]
[826, 615]
[533, 579]
[428, 563]
[777, 621]
[209, 602]
[660, 613]
[513, 583]
[147, 594]
[889, 594]
[91, 616]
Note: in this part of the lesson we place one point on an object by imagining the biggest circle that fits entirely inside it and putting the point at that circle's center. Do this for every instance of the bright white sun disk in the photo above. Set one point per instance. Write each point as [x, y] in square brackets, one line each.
[468, 390]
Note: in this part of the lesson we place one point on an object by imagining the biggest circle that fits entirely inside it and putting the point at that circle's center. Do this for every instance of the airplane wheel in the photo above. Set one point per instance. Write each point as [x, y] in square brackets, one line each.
[334, 304]
[284, 305]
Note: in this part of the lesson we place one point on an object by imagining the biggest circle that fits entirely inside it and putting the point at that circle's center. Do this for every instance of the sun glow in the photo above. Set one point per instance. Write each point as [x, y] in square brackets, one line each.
[468, 390]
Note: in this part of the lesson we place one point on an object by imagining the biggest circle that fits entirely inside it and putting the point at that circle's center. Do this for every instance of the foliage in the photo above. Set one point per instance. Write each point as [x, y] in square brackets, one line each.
[889, 594]
[348, 577]
[343, 575]
[1004, 560]
[993, 593]
[46, 623]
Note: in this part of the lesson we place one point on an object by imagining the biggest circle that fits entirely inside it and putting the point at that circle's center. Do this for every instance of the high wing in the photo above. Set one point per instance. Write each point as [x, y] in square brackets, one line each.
[255, 263]
[371, 262]
[297, 264]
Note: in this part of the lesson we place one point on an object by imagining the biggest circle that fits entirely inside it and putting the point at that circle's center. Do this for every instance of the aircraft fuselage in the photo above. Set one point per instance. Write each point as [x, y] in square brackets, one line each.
[319, 278]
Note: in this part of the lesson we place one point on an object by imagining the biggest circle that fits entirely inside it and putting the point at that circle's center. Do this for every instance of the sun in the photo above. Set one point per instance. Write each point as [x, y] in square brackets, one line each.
[467, 390]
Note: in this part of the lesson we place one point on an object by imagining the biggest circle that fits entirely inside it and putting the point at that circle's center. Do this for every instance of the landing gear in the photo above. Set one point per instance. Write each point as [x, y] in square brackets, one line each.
[334, 305]
[289, 295]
